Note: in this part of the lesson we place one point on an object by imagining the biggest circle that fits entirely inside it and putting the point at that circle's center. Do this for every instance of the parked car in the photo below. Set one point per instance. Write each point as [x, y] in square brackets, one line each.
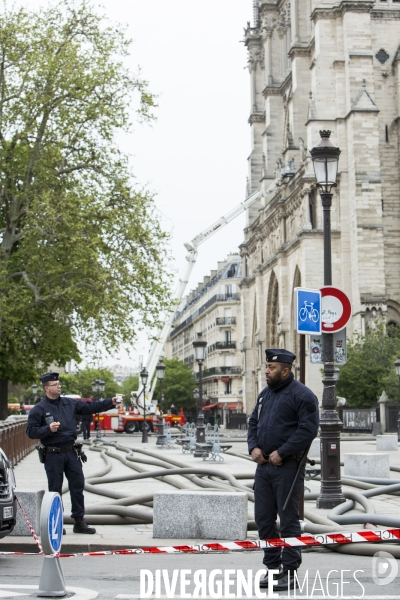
[8, 502]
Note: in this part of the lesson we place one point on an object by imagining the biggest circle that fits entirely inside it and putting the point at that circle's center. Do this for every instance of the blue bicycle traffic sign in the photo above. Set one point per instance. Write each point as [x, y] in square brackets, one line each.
[307, 310]
[51, 523]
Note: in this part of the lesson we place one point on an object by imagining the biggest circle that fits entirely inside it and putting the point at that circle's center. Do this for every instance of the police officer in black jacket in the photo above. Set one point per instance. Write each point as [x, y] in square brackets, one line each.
[283, 424]
[53, 421]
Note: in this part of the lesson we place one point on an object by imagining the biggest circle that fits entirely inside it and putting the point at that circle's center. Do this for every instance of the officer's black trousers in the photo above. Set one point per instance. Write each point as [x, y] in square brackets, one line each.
[67, 462]
[271, 487]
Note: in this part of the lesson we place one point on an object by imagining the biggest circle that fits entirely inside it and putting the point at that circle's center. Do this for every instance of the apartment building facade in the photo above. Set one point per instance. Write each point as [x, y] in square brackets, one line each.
[214, 309]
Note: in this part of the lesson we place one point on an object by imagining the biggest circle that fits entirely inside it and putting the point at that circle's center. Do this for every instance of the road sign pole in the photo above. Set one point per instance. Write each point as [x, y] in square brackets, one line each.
[52, 583]
[331, 487]
[302, 379]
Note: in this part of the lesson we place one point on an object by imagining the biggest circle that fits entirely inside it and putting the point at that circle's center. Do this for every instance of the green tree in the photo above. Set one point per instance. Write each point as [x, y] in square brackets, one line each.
[82, 252]
[370, 367]
[178, 386]
[130, 384]
[81, 383]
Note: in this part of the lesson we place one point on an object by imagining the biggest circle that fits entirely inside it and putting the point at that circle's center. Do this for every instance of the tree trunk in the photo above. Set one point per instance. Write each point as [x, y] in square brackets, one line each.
[3, 399]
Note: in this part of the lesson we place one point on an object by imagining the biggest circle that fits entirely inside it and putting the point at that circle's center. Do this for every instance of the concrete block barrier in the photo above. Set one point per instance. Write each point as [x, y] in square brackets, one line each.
[366, 464]
[387, 442]
[200, 515]
[31, 502]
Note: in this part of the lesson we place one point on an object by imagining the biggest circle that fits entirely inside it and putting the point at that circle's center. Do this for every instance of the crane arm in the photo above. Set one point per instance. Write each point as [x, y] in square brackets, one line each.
[222, 221]
[162, 335]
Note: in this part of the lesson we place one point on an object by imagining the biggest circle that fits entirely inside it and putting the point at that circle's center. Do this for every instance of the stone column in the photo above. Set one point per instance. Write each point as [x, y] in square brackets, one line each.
[382, 409]
[268, 59]
[294, 21]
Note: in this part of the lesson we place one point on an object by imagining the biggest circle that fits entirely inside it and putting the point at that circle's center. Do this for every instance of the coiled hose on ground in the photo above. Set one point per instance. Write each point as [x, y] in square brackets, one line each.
[209, 478]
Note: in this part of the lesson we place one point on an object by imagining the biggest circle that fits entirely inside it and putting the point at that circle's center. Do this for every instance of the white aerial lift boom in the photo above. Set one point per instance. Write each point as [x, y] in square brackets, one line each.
[156, 351]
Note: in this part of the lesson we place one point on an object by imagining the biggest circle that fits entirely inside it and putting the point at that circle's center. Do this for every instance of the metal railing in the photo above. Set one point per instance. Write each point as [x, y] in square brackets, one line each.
[221, 346]
[220, 371]
[14, 441]
[357, 419]
[218, 298]
[225, 321]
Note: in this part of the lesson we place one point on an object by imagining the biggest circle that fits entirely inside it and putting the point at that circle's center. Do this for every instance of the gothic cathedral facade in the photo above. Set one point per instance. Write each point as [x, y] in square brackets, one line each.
[320, 65]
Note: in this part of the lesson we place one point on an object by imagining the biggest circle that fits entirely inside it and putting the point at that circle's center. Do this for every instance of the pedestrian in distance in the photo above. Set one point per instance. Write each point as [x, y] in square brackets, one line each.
[22, 410]
[282, 426]
[53, 421]
[85, 421]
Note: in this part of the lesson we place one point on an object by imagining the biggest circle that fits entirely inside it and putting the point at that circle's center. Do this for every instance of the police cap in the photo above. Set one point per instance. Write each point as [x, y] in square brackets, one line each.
[279, 355]
[48, 377]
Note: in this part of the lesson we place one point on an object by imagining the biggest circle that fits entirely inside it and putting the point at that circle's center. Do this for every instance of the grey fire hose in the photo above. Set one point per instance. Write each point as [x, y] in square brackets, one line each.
[213, 479]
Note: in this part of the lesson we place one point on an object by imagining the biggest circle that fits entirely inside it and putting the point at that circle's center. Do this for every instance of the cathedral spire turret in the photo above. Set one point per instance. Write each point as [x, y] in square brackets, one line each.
[256, 13]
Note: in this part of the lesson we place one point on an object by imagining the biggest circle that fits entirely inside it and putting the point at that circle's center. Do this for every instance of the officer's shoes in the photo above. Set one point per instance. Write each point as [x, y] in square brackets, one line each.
[286, 581]
[264, 580]
[82, 527]
[64, 531]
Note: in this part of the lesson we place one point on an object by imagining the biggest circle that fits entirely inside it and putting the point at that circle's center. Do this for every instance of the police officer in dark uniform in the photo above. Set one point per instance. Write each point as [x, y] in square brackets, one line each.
[53, 421]
[283, 424]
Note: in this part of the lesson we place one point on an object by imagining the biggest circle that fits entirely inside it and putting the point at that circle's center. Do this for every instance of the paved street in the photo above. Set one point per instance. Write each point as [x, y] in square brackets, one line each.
[110, 577]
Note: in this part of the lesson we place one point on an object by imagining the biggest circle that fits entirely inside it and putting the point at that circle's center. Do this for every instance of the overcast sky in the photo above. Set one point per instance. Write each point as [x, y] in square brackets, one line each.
[194, 156]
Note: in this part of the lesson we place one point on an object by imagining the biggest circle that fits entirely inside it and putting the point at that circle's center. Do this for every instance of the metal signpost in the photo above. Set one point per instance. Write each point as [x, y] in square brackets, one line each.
[52, 581]
[307, 316]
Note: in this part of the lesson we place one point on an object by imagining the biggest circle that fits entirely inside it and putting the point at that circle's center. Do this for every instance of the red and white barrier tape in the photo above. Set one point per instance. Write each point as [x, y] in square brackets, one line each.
[322, 539]
[35, 537]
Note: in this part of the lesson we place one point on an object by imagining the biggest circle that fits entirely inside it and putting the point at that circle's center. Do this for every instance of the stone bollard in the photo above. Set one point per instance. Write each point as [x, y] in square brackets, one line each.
[387, 442]
[365, 464]
[31, 502]
[200, 515]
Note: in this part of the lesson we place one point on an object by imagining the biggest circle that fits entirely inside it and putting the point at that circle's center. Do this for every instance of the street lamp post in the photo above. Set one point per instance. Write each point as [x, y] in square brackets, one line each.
[98, 385]
[325, 157]
[397, 367]
[160, 373]
[144, 377]
[199, 346]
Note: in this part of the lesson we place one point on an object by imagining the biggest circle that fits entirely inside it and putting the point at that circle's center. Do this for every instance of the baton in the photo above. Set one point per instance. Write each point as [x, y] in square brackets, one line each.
[302, 463]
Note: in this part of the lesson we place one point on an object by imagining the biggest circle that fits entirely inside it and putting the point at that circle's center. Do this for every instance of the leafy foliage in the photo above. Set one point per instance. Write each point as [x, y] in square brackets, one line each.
[178, 385]
[130, 384]
[370, 367]
[82, 252]
[81, 383]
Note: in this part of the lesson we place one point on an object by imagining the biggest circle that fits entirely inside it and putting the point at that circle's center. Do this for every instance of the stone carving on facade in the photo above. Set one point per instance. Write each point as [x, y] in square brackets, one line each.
[303, 150]
[273, 313]
[339, 10]
[255, 56]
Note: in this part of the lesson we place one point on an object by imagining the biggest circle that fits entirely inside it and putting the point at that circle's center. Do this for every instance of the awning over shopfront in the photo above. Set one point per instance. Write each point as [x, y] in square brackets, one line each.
[229, 405]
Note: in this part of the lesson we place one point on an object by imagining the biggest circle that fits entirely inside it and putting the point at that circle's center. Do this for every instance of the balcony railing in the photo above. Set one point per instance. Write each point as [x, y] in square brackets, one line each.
[220, 371]
[199, 311]
[225, 345]
[226, 297]
[225, 321]
[221, 346]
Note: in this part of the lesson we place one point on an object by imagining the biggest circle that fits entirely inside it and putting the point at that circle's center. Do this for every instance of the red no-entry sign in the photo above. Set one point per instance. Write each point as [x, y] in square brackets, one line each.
[336, 309]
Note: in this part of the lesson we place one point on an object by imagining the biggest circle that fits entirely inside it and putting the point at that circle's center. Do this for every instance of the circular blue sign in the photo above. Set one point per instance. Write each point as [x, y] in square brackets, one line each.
[51, 523]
